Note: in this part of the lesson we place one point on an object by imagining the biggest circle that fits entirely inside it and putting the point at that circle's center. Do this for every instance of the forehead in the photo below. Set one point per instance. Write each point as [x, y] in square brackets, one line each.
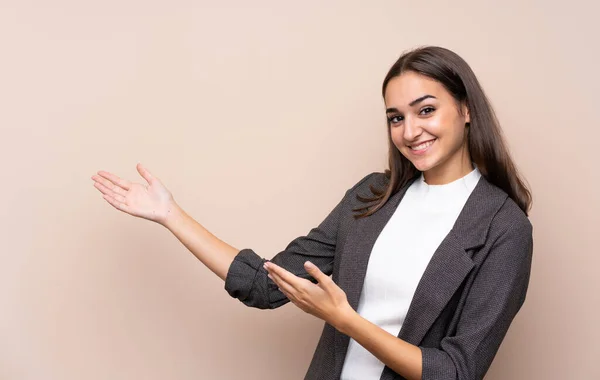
[408, 86]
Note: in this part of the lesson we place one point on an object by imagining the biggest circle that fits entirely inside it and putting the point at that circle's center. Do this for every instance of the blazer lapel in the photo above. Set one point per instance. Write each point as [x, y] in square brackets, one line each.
[447, 269]
[452, 261]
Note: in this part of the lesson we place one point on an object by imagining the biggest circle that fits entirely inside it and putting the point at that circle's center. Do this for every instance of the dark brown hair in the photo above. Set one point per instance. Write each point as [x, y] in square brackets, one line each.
[485, 141]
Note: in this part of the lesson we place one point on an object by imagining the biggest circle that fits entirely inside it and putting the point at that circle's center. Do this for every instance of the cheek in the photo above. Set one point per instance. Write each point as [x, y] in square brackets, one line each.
[434, 125]
[456, 133]
[397, 138]
[447, 128]
[437, 126]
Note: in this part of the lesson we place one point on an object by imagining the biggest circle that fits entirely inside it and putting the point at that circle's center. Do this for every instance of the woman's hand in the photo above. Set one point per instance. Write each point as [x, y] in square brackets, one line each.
[152, 201]
[324, 300]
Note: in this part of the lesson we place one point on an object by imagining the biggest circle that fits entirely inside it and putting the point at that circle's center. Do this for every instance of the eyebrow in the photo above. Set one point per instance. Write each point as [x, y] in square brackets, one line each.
[418, 100]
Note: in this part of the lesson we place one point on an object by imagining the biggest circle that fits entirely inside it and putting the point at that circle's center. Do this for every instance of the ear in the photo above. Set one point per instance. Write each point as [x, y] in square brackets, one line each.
[465, 111]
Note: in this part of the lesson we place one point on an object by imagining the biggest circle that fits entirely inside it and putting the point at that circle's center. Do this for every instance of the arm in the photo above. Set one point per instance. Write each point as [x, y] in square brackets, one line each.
[209, 249]
[154, 202]
[243, 272]
[402, 357]
[247, 278]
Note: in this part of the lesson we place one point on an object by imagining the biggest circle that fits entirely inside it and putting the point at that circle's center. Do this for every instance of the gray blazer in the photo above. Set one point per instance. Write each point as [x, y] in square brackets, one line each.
[469, 294]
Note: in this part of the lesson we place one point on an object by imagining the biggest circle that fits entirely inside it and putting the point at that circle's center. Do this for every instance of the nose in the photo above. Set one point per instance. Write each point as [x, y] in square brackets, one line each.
[412, 130]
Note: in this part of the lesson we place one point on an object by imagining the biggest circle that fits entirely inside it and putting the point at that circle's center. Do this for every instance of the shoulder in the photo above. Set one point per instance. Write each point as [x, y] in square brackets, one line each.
[510, 215]
[497, 227]
[510, 219]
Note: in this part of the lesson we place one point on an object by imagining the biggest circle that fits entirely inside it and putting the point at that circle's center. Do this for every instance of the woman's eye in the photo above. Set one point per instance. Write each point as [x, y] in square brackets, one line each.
[395, 119]
[427, 110]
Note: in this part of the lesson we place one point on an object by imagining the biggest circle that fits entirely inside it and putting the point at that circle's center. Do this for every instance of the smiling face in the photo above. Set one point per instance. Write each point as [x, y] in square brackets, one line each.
[427, 125]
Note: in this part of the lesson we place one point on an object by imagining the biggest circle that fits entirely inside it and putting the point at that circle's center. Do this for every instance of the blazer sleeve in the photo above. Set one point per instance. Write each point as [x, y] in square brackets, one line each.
[496, 295]
[247, 280]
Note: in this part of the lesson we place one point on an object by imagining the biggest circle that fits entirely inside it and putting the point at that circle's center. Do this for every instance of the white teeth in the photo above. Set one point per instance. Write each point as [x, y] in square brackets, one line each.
[422, 146]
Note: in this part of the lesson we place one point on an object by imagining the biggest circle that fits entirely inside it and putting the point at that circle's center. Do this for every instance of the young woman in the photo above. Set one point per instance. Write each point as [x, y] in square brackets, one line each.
[430, 260]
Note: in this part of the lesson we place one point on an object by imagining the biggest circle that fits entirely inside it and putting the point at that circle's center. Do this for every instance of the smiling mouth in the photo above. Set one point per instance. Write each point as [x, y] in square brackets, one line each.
[422, 146]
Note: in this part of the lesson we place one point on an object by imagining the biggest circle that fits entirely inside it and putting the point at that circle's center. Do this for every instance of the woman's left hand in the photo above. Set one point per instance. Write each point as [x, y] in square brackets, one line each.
[324, 300]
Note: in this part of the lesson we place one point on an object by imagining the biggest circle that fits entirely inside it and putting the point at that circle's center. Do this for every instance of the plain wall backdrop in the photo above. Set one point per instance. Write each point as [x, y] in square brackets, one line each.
[239, 107]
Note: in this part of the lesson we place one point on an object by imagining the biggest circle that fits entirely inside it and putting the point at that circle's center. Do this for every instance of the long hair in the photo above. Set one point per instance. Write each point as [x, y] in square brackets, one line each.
[485, 141]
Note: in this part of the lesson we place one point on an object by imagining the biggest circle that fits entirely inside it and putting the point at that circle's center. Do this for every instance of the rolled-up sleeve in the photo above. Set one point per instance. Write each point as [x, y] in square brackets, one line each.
[247, 280]
[496, 295]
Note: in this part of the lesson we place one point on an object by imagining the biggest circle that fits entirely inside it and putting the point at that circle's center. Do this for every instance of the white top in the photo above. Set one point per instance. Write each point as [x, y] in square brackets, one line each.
[399, 257]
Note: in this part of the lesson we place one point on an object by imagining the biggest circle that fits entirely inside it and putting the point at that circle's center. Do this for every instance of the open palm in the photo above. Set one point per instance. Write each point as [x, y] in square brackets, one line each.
[150, 201]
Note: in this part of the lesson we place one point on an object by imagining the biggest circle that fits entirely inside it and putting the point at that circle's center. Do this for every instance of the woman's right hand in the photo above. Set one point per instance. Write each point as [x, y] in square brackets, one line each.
[152, 201]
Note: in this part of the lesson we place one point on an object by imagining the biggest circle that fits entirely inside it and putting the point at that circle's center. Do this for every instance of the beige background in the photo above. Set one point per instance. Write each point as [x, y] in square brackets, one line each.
[238, 107]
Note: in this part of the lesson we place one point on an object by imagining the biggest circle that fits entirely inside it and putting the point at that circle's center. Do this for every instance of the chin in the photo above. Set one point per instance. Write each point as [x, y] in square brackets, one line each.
[423, 168]
[423, 165]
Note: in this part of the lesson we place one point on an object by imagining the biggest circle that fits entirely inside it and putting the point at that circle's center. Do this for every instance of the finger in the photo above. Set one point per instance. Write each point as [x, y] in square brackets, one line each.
[285, 275]
[123, 183]
[120, 199]
[145, 173]
[104, 190]
[283, 286]
[108, 188]
[314, 271]
[298, 283]
[118, 205]
[288, 296]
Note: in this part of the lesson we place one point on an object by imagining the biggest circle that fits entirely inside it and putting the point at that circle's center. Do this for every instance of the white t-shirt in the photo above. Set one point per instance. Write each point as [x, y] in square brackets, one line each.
[398, 260]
